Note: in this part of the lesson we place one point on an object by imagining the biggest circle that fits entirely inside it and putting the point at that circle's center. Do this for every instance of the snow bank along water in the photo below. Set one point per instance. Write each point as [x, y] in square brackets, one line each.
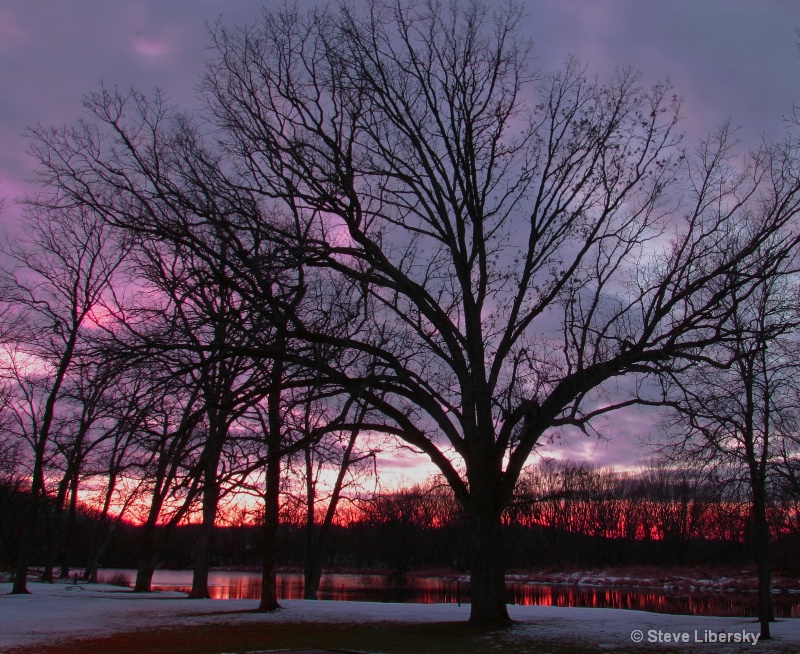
[56, 611]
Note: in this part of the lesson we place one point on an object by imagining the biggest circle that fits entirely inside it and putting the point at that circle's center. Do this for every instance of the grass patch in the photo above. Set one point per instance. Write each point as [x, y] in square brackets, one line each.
[384, 638]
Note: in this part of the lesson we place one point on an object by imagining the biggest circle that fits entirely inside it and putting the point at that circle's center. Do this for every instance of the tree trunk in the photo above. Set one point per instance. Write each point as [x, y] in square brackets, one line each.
[69, 531]
[147, 560]
[272, 504]
[487, 570]
[54, 529]
[144, 574]
[316, 538]
[269, 584]
[100, 535]
[95, 549]
[762, 546]
[103, 529]
[312, 563]
[37, 478]
[31, 511]
[52, 533]
[202, 552]
[312, 575]
[96, 546]
[20, 585]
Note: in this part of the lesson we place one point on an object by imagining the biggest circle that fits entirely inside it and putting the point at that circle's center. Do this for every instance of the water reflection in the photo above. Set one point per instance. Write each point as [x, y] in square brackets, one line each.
[435, 590]
[336, 587]
[654, 601]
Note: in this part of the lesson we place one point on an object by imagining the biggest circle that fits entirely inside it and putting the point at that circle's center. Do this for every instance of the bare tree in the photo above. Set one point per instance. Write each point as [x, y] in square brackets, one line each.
[275, 415]
[61, 270]
[129, 407]
[85, 407]
[201, 326]
[732, 405]
[340, 455]
[521, 239]
[146, 169]
[168, 449]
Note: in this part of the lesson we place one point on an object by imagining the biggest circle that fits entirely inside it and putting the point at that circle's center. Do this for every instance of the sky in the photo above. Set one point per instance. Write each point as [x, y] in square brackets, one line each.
[731, 60]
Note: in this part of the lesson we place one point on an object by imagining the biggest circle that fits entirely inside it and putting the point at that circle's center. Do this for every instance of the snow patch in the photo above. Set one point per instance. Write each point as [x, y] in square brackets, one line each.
[60, 611]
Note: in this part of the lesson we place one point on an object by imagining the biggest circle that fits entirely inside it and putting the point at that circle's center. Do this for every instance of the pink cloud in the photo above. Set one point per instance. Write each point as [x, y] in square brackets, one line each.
[12, 34]
[151, 48]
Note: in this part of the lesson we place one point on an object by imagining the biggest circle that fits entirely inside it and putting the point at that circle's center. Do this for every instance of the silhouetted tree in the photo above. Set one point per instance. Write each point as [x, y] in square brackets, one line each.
[60, 271]
[731, 404]
[337, 454]
[168, 447]
[520, 238]
[129, 407]
[87, 406]
[205, 330]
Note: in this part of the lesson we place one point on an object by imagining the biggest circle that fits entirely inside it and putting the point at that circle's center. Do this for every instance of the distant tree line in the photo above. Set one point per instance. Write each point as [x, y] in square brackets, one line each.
[566, 515]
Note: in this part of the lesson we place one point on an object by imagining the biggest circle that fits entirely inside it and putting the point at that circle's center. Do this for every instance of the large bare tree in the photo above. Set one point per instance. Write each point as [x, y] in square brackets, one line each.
[523, 240]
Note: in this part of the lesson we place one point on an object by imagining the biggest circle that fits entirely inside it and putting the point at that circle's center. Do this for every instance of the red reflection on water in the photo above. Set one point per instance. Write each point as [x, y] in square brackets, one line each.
[434, 590]
[580, 596]
[339, 587]
[654, 601]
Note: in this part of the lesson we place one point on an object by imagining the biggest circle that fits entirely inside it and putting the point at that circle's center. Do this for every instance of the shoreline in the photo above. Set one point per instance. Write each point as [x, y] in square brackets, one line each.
[708, 579]
[688, 578]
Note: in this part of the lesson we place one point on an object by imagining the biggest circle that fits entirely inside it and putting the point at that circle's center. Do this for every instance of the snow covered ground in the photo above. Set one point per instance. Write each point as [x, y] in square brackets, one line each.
[61, 611]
